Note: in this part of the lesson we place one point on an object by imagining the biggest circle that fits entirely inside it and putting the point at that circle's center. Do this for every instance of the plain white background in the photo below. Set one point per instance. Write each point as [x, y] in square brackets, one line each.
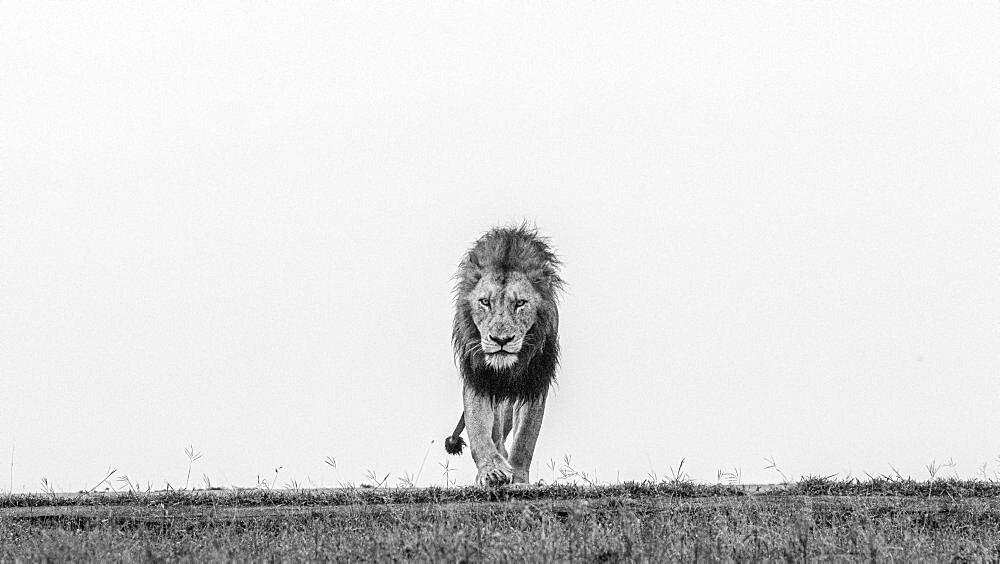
[234, 226]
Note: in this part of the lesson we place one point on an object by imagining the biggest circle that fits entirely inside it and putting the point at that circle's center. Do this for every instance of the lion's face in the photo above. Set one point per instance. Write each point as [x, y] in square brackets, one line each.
[504, 308]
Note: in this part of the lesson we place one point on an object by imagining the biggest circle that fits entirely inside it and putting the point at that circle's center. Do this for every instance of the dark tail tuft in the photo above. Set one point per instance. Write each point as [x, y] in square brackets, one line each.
[454, 444]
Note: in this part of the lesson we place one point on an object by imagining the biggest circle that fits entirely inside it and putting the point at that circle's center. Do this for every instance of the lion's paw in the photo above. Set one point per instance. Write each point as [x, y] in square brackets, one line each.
[495, 473]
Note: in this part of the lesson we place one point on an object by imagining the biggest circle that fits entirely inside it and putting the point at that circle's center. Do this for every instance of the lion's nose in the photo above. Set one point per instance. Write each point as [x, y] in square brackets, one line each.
[501, 340]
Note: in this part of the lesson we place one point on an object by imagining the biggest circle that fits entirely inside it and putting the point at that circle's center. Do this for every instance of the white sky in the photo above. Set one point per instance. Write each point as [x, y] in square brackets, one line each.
[234, 226]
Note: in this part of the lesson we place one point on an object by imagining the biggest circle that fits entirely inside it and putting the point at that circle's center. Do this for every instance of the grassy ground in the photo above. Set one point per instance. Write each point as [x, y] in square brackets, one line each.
[880, 519]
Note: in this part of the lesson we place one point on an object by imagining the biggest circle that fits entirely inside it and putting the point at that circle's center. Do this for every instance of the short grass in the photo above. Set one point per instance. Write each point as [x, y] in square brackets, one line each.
[813, 518]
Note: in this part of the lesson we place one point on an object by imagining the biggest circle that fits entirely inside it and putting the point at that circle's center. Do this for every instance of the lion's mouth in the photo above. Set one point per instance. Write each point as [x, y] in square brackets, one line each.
[510, 348]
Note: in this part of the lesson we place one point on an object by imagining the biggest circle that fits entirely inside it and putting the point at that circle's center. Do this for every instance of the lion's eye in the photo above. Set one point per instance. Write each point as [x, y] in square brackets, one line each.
[520, 303]
[485, 301]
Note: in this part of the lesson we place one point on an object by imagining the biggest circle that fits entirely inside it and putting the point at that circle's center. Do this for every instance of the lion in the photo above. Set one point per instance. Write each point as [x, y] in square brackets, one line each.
[506, 344]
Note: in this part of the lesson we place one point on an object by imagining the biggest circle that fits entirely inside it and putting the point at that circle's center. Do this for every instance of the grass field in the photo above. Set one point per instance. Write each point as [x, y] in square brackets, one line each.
[812, 519]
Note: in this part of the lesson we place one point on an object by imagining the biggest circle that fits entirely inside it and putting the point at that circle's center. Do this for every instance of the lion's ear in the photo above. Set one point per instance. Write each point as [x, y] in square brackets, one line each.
[472, 259]
[546, 280]
[540, 278]
[471, 270]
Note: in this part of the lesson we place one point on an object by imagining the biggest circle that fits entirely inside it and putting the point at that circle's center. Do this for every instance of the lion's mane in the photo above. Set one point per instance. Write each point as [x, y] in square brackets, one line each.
[503, 250]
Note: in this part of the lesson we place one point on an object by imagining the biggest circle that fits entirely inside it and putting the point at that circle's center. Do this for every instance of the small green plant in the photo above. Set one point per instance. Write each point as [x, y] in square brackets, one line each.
[772, 465]
[988, 475]
[651, 475]
[950, 465]
[264, 484]
[896, 474]
[123, 479]
[568, 473]
[446, 473]
[105, 480]
[192, 457]
[332, 463]
[48, 488]
[933, 469]
[406, 480]
[376, 483]
[679, 476]
[730, 477]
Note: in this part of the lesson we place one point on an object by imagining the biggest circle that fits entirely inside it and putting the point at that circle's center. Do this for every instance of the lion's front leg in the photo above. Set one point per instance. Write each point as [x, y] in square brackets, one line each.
[480, 418]
[527, 425]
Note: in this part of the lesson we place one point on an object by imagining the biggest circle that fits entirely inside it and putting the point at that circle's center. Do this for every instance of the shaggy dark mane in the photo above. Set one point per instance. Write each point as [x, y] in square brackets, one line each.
[503, 250]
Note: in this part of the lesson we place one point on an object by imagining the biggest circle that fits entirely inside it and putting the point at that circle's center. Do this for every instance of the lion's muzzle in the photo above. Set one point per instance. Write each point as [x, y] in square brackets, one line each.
[501, 340]
[510, 345]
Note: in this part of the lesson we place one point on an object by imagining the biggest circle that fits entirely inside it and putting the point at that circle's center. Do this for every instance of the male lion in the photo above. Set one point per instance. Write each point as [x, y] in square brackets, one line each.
[506, 341]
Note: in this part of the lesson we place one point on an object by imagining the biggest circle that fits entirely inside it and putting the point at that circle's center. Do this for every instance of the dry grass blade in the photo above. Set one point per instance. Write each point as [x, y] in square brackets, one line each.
[422, 462]
[103, 480]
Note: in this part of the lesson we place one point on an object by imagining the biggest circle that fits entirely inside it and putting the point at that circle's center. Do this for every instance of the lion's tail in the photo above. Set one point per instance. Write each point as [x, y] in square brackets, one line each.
[454, 443]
